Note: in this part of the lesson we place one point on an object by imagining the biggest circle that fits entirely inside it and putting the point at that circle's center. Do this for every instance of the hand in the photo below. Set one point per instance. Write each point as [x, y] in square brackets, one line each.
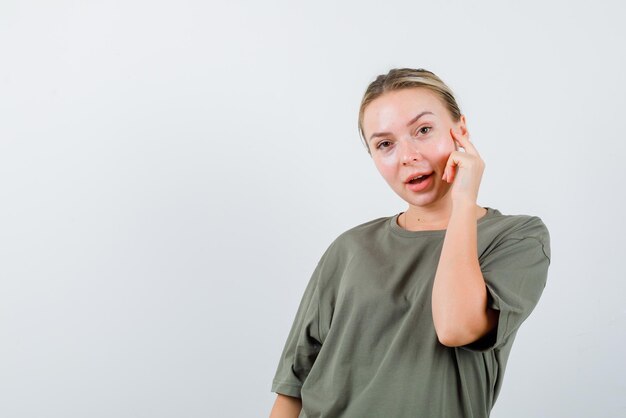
[464, 170]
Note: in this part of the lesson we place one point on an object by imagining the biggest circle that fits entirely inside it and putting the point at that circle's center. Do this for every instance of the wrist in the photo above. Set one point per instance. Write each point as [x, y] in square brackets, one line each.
[462, 205]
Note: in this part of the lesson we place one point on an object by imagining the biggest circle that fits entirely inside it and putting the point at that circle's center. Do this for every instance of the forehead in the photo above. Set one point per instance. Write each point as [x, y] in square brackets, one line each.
[400, 106]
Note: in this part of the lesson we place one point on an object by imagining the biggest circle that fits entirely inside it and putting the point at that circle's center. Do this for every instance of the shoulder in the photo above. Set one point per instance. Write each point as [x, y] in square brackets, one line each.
[500, 227]
[359, 235]
[347, 245]
[366, 230]
[516, 226]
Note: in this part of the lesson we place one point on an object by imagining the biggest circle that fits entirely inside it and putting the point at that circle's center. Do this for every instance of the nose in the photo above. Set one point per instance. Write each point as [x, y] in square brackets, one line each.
[410, 153]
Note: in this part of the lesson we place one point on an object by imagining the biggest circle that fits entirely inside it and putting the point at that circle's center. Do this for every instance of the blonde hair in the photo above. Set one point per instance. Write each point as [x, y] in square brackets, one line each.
[405, 78]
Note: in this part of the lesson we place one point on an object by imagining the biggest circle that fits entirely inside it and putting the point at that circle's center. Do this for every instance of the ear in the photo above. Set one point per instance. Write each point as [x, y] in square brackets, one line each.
[461, 127]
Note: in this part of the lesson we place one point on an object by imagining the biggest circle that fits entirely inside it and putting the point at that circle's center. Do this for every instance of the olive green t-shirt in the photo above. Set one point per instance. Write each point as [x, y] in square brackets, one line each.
[363, 343]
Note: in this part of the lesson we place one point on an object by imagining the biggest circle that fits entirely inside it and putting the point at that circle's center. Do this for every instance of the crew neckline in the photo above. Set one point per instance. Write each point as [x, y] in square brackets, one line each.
[397, 229]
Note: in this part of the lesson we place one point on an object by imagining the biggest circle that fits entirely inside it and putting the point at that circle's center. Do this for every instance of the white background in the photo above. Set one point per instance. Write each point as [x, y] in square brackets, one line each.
[171, 172]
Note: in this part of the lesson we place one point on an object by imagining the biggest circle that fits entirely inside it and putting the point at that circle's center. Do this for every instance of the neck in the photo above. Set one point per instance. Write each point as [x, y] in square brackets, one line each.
[434, 216]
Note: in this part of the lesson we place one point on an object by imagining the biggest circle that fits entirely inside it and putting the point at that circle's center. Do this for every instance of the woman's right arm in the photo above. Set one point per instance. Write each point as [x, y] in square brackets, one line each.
[286, 407]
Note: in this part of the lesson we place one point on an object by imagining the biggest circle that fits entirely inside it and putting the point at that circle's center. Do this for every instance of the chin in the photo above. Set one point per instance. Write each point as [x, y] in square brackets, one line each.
[421, 202]
[423, 199]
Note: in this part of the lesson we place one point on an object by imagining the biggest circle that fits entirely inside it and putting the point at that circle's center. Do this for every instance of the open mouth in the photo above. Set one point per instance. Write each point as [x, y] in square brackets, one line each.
[419, 179]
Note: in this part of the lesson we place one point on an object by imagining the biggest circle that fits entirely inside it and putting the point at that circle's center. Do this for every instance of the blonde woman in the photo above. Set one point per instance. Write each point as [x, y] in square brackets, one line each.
[414, 315]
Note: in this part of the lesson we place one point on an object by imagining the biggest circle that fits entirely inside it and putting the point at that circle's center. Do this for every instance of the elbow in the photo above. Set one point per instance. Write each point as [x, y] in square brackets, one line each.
[449, 339]
[455, 336]
[447, 335]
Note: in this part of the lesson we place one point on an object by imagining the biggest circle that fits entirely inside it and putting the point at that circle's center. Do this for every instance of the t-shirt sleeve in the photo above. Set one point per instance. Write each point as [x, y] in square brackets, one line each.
[515, 273]
[304, 341]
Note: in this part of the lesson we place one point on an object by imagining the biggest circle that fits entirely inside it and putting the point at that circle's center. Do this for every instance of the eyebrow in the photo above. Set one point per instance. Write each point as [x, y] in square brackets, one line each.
[411, 122]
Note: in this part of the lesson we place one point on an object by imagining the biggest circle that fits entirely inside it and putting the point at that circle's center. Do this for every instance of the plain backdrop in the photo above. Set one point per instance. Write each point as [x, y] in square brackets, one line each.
[171, 172]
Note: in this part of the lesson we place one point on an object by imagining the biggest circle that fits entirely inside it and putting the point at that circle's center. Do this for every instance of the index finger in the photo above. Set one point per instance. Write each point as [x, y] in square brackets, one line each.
[465, 143]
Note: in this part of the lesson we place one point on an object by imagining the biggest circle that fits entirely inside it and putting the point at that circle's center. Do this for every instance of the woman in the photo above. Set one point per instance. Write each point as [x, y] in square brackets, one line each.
[414, 315]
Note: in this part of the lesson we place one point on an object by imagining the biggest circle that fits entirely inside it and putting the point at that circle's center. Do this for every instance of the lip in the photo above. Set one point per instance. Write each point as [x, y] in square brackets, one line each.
[416, 174]
[418, 187]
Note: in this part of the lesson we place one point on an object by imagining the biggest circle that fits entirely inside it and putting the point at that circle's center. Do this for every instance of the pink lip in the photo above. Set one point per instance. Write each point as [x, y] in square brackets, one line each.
[412, 176]
[418, 187]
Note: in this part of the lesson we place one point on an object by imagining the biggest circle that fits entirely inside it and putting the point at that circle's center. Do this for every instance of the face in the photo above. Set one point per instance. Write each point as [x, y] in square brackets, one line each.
[408, 133]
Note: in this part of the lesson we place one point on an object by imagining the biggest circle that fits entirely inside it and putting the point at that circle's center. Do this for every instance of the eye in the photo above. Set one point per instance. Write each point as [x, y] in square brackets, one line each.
[379, 146]
[424, 130]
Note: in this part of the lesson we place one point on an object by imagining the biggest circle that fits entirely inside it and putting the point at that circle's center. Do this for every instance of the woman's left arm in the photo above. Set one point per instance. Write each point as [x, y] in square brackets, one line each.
[459, 299]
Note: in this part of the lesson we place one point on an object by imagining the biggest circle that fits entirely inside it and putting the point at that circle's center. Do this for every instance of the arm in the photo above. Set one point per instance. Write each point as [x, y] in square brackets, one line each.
[286, 407]
[459, 299]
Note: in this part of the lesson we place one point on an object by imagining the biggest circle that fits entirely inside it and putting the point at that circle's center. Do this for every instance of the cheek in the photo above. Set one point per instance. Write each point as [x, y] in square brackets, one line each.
[385, 166]
[441, 151]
